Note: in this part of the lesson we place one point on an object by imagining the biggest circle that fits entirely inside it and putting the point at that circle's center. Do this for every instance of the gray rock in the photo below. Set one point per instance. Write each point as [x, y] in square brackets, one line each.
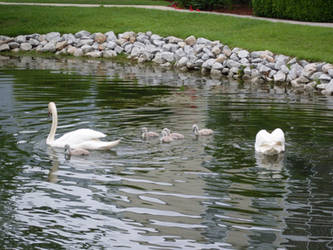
[292, 61]
[302, 79]
[86, 48]
[110, 36]
[20, 39]
[216, 73]
[99, 37]
[182, 62]
[128, 48]
[208, 63]
[326, 67]
[111, 45]
[78, 52]
[118, 49]
[204, 41]
[247, 71]
[109, 53]
[158, 43]
[226, 50]
[49, 47]
[71, 50]
[53, 36]
[85, 41]
[264, 69]
[173, 39]
[232, 64]
[61, 45]
[4, 47]
[13, 45]
[26, 46]
[284, 69]
[221, 58]
[208, 52]
[330, 72]
[158, 58]
[272, 73]
[234, 57]
[216, 50]
[33, 42]
[69, 38]
[316, 75]
[94, 54]
[155, 37]
[324, 78]
[167, 56]
[217, 66]
[225, 71]
[243, 53]
[82, 33]
[279, 77]
[191, 40]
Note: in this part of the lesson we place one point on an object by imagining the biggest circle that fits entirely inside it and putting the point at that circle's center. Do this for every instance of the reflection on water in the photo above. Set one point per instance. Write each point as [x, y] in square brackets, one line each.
[206, 193]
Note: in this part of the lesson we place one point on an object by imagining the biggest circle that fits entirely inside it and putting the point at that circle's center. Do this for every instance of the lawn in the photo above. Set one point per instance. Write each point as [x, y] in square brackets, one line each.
[307, 42]
[118, 2]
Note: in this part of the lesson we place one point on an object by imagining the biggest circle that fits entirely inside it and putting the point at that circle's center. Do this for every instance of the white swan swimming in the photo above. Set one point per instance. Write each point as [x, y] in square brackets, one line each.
[175, 136]
[270, 143]
[204, 131]
[80, 138]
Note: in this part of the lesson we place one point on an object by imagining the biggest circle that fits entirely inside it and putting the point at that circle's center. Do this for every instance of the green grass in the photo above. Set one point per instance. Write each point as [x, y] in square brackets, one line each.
[307, 42]
[119, 2]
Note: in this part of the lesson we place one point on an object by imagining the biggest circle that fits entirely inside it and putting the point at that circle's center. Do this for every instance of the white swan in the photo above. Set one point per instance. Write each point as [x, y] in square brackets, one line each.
[147, 134]
[80, 138]
[204, 131]
[270, 143]
[165, 137]
[175, 136]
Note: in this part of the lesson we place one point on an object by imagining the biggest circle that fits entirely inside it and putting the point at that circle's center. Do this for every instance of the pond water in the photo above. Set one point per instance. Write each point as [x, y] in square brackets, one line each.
[206, 193]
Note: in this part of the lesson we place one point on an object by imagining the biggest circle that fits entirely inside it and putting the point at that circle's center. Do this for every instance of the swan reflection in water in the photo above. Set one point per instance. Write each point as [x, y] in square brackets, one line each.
[270, 162]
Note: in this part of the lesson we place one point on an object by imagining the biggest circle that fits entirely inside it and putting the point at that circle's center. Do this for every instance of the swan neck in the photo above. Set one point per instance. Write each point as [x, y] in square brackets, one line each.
[50, 138]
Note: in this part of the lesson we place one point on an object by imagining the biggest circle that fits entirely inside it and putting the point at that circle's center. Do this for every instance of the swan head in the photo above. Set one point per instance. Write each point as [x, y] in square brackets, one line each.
[195, 129]
[51, 107]
[144, 130]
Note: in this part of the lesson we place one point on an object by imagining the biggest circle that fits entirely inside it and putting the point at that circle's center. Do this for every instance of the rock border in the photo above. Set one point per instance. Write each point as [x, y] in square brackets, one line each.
[210, 57]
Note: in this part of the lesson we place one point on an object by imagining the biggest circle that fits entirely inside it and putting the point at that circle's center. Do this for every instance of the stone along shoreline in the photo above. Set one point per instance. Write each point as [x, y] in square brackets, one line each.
[210, 57]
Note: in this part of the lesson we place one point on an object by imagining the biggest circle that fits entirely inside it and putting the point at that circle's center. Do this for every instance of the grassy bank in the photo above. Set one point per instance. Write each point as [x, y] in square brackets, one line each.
[313, 43]
[118, 2]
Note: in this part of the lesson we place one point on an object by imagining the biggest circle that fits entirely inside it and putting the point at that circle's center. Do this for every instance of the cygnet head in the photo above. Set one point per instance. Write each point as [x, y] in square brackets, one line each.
[167, 131]
[67, 149]
[195, 129]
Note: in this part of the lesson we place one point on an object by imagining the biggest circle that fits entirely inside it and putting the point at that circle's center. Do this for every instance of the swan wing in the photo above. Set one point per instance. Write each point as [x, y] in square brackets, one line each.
[78, 136]
[270, 143]
[97, 144]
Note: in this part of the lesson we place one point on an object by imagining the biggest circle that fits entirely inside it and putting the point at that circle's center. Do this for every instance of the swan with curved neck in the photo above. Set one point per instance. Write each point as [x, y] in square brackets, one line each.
[270, 143]
[81, 138]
